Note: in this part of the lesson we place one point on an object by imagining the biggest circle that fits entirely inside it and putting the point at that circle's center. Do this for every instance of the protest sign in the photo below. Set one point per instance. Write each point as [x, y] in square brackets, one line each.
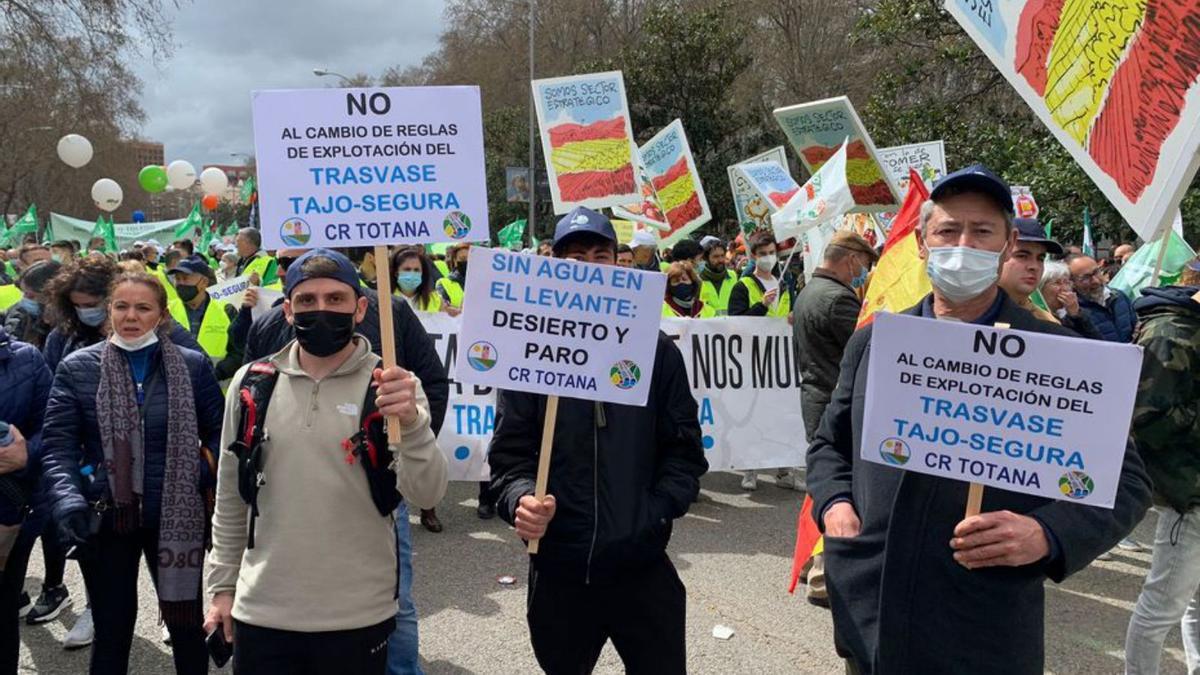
[927, 159]
[823, 198]
[770, 181]
[1025, 412]
[741, 371]
[351, 167]
[516, 184]
[266, 300]
[230, 291]
[747, 205]
[815, 131]
[587, 140]
[1024, 204]
[1112, 88]
[560, 327]
[671, 192]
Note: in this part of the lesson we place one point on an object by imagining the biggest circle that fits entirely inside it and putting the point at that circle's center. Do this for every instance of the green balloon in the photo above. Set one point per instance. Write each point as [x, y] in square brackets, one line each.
[153, 178]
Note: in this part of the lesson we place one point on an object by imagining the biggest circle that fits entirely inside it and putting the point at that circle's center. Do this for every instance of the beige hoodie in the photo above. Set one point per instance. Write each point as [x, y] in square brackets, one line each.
[323, 557]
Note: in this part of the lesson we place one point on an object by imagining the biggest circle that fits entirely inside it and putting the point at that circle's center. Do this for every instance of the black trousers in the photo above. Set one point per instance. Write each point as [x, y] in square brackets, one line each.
[644, 614]
[270, 651]
[110, 572]
[11, 584]
[53, 555]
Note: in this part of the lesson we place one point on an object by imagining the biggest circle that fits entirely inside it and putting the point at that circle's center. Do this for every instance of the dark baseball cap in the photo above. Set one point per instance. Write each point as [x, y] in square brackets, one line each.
[1029, 229]
[191, 265]
[342, 270]
[975, 178]
[582, 219]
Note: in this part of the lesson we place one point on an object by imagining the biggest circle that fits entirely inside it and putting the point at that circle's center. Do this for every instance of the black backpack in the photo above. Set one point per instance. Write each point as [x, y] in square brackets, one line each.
[368, 446]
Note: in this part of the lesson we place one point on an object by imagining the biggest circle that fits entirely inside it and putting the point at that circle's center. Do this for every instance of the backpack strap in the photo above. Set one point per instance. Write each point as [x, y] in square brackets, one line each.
[369, 446]
[254, 395]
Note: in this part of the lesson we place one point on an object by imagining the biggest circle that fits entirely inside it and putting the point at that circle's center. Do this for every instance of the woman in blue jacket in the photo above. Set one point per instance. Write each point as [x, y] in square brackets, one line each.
[129, 442]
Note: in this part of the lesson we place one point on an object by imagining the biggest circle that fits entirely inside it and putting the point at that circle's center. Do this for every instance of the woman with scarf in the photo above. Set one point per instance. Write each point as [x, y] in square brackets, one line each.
[131, 432]
[683, 293]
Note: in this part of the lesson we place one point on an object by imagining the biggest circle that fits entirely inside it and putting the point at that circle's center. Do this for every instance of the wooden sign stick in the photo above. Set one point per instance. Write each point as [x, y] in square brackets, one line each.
[387, 331]
[543, 474]
[975, 492]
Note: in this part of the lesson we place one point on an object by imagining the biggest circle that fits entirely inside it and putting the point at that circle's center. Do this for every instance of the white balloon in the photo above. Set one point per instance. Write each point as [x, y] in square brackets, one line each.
[107, 194]
[214, 181]
[181, 175]
[74, 150]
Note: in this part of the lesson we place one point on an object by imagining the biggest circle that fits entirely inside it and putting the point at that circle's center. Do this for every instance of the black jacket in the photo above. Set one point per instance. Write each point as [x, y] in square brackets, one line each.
[620, 474]
[24, 387]
[901, 604]
[824, 317]
[414, 350]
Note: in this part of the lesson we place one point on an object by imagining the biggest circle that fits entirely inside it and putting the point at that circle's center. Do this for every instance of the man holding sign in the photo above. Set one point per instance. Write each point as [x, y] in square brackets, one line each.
[915, 586]
[619, 474]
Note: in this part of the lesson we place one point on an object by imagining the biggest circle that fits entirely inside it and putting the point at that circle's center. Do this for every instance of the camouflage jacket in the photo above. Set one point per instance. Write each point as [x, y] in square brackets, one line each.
[1166, 417]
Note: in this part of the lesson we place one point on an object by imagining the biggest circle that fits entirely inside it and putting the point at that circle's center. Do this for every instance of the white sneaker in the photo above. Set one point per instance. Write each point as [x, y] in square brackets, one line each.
[791, 480]
[1105, 556]
[750, 481]
[82, 633]
[1129, 544]
[166, 635]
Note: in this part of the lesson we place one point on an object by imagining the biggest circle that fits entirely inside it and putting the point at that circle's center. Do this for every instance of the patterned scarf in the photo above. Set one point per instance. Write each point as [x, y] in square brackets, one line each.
[181, 533]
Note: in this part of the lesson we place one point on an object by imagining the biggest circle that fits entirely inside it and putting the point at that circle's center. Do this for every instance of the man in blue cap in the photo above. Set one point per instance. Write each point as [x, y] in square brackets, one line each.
[216, 325]
[914, 587]
[621, 474]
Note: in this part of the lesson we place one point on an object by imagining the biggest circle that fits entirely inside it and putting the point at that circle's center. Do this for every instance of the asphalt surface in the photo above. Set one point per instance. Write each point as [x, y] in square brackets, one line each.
[733, 552]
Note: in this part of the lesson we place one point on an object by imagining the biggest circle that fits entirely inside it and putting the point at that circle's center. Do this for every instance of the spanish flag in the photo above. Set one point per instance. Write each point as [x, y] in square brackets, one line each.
[899, 280]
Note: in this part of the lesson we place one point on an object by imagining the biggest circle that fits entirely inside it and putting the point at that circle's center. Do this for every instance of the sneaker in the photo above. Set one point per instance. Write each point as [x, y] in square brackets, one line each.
[166, 635]
[49, 605]
[791, 480]
[750, 481]
[24, 605]
[1105, 556]
[1129, 544]
[82, 633]
[485, 511]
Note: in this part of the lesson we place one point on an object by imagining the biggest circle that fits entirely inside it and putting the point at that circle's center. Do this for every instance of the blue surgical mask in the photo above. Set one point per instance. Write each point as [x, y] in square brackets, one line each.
[92, 316]
[408, 281]
[29, 305]
[859, 279]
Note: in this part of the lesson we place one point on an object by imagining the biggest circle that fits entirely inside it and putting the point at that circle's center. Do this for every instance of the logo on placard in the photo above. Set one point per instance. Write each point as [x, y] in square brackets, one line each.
[482, 356]
[894, 451]
[295, 232]
[457, 224]
[625, 374]
[1076, 484]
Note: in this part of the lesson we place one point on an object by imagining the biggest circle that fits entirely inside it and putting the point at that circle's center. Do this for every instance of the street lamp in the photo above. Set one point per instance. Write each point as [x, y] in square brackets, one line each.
[322, 72]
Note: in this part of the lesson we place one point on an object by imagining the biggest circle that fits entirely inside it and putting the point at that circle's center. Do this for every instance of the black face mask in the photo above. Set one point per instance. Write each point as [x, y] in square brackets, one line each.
[323, 333]
[186, 293]
[683, 293]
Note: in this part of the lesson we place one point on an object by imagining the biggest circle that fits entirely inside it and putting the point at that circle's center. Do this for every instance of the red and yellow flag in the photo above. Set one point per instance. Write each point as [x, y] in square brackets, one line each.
[899, 280]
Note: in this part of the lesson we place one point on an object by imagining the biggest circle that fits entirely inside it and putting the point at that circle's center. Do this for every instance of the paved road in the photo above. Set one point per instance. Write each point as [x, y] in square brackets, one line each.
[733, 551]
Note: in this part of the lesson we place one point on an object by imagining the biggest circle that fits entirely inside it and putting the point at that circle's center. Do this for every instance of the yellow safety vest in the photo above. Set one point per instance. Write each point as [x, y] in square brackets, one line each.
[9, 296]
[782, 307]
[718, 300]
[259, 265]
[172, 294]
[454, 291]
[706, 312]
[214, 327]
[434, 304]
[442, 267]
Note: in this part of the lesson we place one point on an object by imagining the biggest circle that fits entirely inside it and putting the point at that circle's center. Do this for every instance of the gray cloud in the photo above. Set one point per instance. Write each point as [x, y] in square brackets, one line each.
[197, 102]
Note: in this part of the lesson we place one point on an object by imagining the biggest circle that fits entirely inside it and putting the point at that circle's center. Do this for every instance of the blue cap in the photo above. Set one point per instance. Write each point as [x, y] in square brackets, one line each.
[976, 178]
[191, 265]
[582, 219]
[343, 272]
[1029, 229]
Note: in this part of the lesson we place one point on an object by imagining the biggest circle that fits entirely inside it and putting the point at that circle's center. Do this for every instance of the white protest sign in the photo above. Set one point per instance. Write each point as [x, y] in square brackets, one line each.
[560, 327]
[351, 167]
[231, 290]
[927, 159]
[748, 206]
[741, 371]
[825, 197]
[770, 182]
[1019, 411]
[266, 300]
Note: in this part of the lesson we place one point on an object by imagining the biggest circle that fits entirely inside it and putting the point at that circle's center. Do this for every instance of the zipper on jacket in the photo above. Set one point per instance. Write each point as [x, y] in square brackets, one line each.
[596, 423]
[312, 404]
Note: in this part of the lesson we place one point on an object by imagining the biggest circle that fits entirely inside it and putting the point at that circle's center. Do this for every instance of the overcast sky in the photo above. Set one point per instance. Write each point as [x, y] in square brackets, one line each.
[197, 102]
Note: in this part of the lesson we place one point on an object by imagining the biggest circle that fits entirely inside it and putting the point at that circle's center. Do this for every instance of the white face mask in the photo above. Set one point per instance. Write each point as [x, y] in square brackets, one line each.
[961, 273]
[766, 262]
[151, 337]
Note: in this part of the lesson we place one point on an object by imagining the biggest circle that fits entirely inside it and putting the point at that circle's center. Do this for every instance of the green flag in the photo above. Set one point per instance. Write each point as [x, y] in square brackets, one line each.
[1089, 248]
[48, 233]
[106, 229]
[187, 227]
[1049, 228]
[511, 235]
[247, 189]
[26, 224]
[231, 228]
[1136, 273]
[206, 240]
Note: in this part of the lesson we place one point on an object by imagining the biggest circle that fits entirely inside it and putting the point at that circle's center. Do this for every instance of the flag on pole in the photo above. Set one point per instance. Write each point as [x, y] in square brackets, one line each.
[510, 236]
[1137, 272]
[206, 239]
[824, 198]
[1089, 248]
[247, 189]
[107, 230]
[1049, 228]
[807, 537]
[26, 224]
[899, 280]
[186, 229]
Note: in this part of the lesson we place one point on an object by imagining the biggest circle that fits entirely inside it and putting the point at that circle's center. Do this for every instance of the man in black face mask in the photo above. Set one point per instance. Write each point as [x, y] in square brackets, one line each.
[216, 325]
[296, 607]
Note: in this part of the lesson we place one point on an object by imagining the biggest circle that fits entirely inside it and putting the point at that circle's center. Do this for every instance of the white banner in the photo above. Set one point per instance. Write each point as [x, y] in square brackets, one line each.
[231, 290]
[1019, 411]
[741, 369]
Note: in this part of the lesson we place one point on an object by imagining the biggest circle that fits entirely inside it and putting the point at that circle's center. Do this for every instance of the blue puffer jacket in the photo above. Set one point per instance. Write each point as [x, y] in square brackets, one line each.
[71, 435]
[59, 344]
[24, 387]
[1115, 319]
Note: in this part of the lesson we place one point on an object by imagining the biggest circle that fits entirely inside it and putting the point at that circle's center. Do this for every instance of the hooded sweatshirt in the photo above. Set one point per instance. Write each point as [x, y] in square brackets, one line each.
[324, 559]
